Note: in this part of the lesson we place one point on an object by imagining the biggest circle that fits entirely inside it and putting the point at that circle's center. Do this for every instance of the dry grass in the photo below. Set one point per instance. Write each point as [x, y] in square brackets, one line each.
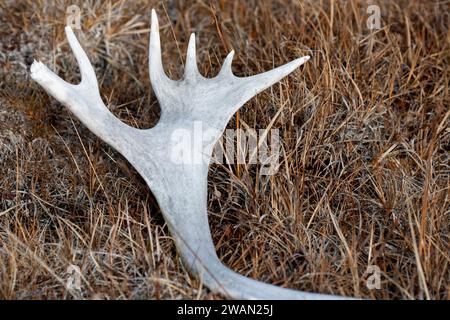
[364, 177]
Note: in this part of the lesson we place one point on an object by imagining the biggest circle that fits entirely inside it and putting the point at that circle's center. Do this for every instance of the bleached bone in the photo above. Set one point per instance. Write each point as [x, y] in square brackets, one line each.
[179, 187]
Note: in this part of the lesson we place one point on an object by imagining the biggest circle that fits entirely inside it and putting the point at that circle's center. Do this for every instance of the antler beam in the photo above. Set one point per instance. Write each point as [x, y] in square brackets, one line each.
[180, 187]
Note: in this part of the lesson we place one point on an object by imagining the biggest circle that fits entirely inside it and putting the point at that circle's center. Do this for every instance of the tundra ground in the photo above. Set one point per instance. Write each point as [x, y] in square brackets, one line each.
[364, 166]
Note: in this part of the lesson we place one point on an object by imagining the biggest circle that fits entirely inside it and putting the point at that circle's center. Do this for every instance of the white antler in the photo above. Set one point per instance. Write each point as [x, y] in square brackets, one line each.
[180, 188]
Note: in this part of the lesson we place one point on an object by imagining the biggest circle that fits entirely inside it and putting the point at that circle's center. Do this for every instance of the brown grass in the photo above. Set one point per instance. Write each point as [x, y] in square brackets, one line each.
[364, 177]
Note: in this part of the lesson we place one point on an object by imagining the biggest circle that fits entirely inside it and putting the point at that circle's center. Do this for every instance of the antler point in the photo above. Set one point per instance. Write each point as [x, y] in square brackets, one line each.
[154, 20]
[191, 57]
[68, 29]
[191, 44]
[34, 67]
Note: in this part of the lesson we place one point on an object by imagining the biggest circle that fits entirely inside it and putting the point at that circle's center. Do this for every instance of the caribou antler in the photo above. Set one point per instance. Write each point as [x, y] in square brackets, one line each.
[180, 187]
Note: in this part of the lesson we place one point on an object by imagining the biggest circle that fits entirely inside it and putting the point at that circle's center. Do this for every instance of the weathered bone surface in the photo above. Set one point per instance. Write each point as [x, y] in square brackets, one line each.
[179, 187]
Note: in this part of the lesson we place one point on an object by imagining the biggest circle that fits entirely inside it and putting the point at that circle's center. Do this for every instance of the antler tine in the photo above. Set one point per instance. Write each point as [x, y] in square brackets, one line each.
[156, 69]
[54, 85]
[191, 69]
[88, 76]
[226, 67]
[250, 86]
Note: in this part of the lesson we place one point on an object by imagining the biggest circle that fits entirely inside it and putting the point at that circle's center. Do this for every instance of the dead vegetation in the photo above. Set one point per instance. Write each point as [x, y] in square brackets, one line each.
[364, 176]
